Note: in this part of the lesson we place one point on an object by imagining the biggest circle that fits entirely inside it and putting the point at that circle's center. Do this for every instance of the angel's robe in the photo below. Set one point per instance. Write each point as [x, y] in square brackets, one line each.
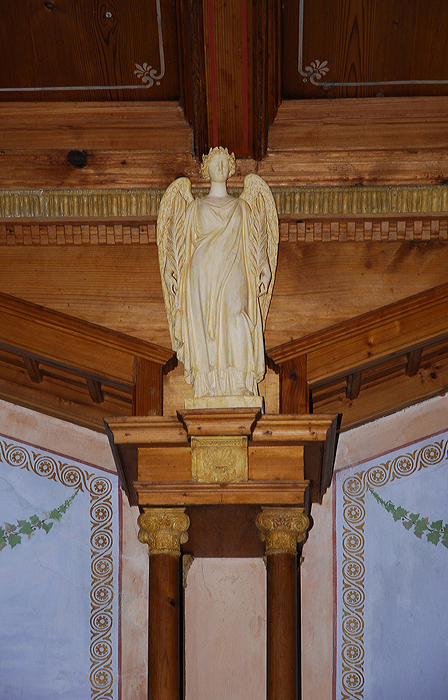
[218, 326]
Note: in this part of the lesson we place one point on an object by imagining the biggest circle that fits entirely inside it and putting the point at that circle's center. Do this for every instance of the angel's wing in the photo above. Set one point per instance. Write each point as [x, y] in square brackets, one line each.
[171, 235]
[258, 196]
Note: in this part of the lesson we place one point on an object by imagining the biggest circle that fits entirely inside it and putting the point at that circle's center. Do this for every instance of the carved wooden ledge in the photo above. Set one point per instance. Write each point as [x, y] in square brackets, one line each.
[153, 455]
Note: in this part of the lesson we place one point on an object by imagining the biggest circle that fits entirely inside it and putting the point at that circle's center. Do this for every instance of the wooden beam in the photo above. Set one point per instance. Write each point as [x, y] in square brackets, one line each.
[42, 334]
[413, 363]
[293, 386]
[366, 340]
[190, 22]
[147, 396]
[95, 391]
[186, 493]
[353, 385]
[230, 72]
[128, 144]
[67, 402]
[386, 141]
[32, 367]
[392, 394]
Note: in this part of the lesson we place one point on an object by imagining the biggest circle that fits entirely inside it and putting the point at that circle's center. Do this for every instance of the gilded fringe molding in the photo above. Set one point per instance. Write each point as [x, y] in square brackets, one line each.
[291, 201]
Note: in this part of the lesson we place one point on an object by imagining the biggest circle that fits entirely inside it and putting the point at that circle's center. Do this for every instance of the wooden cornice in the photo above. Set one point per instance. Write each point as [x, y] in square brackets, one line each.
[363, 341]
[30, 330]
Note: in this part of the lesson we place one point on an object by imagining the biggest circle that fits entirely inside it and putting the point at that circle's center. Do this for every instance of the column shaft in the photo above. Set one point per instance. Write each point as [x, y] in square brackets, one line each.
[164, 530]
[281, 529]
[282, 656]
[164, 627]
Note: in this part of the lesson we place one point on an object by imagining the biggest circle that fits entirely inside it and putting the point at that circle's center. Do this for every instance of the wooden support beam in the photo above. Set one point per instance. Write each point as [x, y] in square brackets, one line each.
[218, 40]
[364, 341]
[282, 529]
[95, 391]
[190, 22]
[32, 367]
[164, 530]
[147, 395]
[393, 393]
[294, 392]
[413, 363]
[353, 385]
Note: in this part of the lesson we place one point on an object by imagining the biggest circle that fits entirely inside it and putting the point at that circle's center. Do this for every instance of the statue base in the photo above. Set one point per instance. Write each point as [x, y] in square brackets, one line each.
[226, 402]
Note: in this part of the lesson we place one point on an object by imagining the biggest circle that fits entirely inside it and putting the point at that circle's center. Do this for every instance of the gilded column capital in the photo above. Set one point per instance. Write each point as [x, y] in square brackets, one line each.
[282, 529]
[163, 529]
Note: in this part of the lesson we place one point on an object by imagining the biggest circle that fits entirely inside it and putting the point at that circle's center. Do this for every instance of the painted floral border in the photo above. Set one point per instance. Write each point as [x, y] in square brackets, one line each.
[354, 489]
[101, 559]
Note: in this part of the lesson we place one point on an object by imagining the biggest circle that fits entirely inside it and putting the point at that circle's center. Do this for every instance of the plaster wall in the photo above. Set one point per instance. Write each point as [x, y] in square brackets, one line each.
[225, 599]
[78, 443]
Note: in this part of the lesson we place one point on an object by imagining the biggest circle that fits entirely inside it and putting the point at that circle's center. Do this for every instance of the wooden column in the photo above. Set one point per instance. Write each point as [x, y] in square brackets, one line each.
[281, 529]
[164, 530]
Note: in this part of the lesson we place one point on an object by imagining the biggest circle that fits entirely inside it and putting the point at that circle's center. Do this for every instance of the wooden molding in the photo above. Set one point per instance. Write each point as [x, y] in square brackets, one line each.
[295, 205]
[142, 230]
[33, 331]
[394, 391]
[187, 493]
[362, 341]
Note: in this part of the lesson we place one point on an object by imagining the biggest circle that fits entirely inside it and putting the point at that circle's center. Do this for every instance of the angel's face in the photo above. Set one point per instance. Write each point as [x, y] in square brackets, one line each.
[218, 168]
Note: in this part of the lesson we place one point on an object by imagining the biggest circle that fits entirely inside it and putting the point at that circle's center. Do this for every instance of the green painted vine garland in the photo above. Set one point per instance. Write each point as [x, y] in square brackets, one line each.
[435, 532]
[12, 534]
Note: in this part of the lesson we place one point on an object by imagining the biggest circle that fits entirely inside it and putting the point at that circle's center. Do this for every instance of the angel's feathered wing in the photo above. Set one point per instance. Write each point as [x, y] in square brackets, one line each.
[264, 244]
[171, 242]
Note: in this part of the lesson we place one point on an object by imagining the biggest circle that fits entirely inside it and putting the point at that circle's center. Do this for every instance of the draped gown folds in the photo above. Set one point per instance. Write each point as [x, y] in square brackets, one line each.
[219, 328]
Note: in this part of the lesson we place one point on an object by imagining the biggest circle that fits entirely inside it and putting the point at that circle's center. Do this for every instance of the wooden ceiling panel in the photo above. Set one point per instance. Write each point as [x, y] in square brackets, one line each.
[123, 50]
[317, 285]
[364, 48]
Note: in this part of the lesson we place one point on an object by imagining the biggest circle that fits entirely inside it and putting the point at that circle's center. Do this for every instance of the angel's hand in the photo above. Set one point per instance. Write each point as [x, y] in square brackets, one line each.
[263, 280]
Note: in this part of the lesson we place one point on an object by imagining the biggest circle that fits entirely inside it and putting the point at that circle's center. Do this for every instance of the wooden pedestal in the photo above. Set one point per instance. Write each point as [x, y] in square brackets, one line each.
[248, 471]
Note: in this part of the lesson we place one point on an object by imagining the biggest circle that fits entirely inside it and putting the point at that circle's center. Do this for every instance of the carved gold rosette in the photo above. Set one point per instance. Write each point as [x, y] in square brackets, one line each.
[282, 529]
[163, 529]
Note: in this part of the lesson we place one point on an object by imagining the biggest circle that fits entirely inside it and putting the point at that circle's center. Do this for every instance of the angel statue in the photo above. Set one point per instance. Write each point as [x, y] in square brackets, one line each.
[217, 258]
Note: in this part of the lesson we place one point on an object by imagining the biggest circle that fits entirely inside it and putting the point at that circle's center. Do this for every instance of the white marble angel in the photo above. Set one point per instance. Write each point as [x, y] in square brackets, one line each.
[217, 258]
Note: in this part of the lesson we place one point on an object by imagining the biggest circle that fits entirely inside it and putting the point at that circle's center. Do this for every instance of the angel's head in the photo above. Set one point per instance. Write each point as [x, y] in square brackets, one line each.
[218, 165]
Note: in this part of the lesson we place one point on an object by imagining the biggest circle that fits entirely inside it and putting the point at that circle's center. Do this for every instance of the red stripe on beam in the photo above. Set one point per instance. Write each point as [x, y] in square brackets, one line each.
[211, 32]
[245, 78]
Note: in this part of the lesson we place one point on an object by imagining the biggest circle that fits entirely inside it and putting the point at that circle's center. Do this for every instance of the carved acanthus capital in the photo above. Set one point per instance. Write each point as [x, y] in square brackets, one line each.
[282, 529]
[163, 529]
